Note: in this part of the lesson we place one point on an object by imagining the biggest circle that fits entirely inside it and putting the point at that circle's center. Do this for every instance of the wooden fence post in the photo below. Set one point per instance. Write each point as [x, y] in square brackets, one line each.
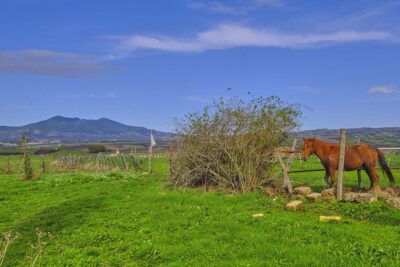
[288, 183]
[126, 165]
[43, 164]
[291, 155]
[150, 156]
[8, 168]
[358, 141]
[341, 164]
[98, 162]
[171, 158]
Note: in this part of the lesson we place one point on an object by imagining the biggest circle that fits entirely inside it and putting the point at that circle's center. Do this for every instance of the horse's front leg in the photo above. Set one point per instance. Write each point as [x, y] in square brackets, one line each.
[332, 176]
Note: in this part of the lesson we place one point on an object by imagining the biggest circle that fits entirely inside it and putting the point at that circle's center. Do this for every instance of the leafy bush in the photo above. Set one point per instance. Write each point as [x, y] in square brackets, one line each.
[27, 169]
[97, 148]
[230, 144]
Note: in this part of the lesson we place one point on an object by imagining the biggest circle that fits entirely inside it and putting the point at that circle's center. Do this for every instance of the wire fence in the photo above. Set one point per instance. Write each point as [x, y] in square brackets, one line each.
[134, 161]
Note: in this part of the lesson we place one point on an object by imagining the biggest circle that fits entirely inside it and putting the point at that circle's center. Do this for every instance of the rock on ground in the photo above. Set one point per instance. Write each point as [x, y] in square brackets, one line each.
[330, 218]
[359, 197]
[313, 196]
[390, 191]
[257, 216]
[303, 190]
[366, 198]
[349, 196]
[328, 194]
[383, 195]
[298, 196]
[394, 202]
[295, 205]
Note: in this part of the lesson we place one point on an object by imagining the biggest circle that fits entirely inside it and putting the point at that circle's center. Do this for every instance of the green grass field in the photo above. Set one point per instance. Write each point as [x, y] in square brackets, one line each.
[123, 219]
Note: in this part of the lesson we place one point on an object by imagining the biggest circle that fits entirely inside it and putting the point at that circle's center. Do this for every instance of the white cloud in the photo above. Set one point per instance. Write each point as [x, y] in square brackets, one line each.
[216, 7]
[44, 62]
[271, 3]
[236, 7]
[227, 36]
[383, 89]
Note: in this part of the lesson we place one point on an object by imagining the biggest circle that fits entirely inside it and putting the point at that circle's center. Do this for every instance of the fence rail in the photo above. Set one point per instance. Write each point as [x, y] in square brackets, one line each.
[319, 170]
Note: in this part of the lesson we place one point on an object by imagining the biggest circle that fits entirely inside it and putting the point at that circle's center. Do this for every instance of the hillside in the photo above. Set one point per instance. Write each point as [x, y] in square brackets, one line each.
[79, 130]
[389, 136]
[64, 129]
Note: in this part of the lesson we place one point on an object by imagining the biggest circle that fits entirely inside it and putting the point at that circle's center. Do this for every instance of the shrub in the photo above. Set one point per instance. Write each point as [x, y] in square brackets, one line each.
[27, 169]
[230, 144]
[28, 173]
[96, 148]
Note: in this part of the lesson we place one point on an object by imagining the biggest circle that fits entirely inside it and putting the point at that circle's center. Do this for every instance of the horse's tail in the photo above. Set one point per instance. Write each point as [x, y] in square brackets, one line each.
[385, 167]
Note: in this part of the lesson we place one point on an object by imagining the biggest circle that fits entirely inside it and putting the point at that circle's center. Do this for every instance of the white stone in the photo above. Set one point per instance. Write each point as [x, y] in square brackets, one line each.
[328, 194]
[303, 190]
[295, 205]
[350, 196]
[394, 202]
[330, 218]
[366, 198]
[314, 196]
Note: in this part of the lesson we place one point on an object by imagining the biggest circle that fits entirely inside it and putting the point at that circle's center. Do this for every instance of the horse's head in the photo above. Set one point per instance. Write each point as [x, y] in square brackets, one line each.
[308, 147]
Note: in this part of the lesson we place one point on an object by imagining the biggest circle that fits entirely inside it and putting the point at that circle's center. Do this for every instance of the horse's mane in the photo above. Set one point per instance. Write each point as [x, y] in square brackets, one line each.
[315, 140]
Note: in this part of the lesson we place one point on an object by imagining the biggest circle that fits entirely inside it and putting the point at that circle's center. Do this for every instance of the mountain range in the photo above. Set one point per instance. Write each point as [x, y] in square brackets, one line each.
[64, 129]
[388, 136]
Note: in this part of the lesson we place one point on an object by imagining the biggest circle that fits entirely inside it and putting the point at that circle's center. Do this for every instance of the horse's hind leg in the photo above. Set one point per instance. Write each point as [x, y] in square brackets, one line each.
[332, 175]
[374, 177]
[359, 179]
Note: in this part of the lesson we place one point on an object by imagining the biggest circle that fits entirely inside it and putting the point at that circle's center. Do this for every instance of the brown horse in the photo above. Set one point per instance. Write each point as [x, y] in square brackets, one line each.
[357, 157]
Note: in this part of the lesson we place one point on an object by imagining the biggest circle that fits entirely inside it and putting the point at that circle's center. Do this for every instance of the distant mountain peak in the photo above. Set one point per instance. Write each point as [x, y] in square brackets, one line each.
[62, 118]
[59, 128]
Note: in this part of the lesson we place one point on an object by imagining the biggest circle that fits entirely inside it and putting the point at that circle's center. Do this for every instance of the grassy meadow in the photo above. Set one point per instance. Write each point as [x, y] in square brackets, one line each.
[128, 219]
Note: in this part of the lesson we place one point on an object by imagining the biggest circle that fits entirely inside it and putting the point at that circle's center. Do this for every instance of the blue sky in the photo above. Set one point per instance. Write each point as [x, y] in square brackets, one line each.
[147, 62]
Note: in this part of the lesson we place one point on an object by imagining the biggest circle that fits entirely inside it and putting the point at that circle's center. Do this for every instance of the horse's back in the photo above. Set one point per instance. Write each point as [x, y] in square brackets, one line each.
[366, 152]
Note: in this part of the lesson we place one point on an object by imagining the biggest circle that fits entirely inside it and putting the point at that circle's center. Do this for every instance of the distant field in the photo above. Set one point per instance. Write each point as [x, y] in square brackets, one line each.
[126, 219]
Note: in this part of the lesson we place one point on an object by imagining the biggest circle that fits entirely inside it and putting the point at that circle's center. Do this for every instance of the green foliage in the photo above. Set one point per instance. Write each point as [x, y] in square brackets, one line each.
[96, 149]
[231, 143]
[27, 169]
